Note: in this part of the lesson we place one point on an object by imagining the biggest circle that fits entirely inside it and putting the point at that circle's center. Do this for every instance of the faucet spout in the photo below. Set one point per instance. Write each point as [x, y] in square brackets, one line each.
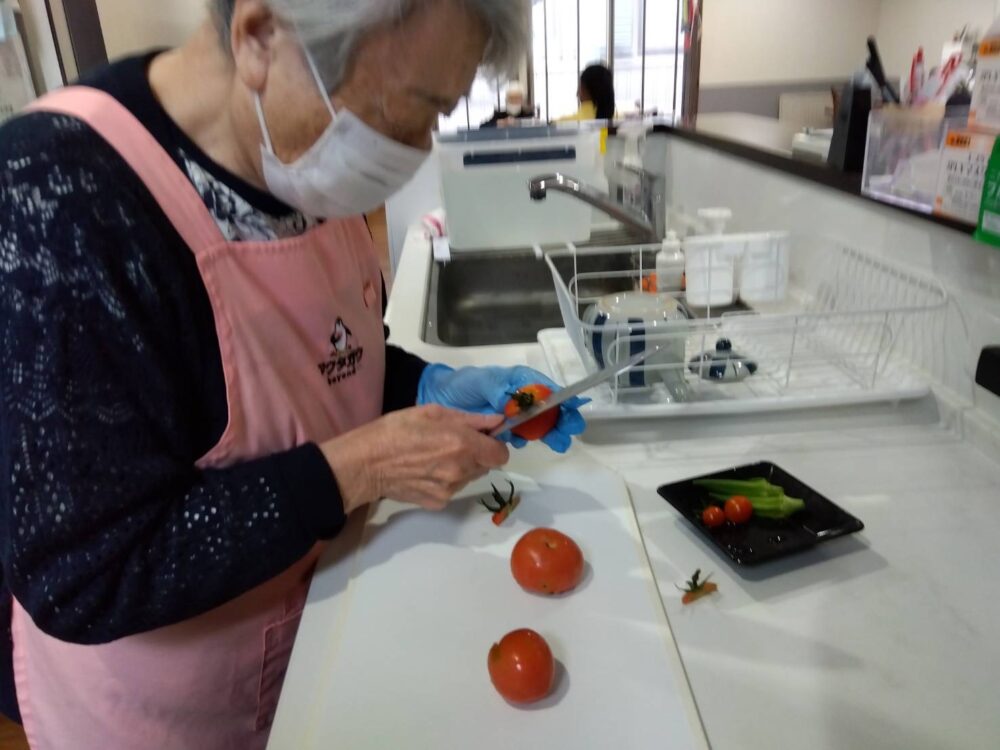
[539, 186]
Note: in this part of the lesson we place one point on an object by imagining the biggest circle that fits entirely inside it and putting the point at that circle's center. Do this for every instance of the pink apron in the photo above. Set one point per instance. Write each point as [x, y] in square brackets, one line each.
[299, 323]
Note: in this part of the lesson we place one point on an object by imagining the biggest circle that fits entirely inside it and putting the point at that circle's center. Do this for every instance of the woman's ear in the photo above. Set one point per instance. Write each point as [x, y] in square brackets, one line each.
[254, 28]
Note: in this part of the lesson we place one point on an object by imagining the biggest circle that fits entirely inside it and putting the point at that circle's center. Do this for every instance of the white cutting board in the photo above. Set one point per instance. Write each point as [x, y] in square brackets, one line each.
[392, 649]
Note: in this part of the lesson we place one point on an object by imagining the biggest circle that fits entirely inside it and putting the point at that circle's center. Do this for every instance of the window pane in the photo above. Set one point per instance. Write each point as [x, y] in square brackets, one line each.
[628, 55]
[628, 21]
[540, 84]
[661, 22]
[563, 70]
[593, 33]
[661, 25]
[575, 41]
[473, 110]
[482, 100]
[661, 35]
[455, 121]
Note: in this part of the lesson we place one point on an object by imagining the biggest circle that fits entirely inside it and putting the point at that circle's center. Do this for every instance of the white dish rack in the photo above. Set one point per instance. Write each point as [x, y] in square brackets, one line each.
[850, 328]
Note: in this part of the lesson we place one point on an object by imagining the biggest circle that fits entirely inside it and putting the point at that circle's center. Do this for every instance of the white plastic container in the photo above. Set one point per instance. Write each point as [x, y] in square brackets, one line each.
[710, 264]
[484, 179]
[762, 271]
[670, 266]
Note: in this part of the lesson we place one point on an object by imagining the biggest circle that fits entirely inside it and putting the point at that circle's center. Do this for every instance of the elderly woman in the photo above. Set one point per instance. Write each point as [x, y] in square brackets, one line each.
[196, 389]
[514, 109]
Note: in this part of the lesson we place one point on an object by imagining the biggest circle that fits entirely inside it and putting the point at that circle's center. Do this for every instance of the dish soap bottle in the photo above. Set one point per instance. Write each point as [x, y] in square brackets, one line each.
[670, 266]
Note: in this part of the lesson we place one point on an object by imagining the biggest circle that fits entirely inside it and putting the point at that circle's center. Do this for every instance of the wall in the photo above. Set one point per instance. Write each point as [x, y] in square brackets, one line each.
[760, 41]
[133, 25]
[904, 25]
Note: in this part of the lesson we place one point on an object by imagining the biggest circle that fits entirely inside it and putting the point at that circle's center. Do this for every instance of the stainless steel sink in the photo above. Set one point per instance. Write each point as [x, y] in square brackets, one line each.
[491, 298]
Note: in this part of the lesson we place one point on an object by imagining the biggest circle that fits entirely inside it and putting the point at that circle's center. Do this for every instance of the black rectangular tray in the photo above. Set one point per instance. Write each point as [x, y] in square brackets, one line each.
[763, 539]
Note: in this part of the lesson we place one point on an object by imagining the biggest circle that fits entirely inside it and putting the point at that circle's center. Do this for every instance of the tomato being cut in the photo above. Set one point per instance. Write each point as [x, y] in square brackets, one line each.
[738, 509]
[521, 666]
[713, 516]
[523, 399]
[546, 561]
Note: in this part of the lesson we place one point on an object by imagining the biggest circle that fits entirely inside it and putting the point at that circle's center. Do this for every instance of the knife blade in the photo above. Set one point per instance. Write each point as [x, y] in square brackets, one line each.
[581, 386]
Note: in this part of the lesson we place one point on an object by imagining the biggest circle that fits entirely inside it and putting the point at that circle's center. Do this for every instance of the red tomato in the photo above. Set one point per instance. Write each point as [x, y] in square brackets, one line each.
[713, 516]
[523, 399]
[738, 509]
[546, 561]
[521, 666]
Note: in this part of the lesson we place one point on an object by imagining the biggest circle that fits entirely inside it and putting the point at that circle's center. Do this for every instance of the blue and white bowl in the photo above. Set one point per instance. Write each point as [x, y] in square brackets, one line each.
[619, 326]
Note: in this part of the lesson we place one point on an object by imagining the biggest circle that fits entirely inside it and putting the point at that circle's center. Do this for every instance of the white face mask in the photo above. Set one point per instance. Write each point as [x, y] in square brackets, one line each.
[514, 109]
[351, 170]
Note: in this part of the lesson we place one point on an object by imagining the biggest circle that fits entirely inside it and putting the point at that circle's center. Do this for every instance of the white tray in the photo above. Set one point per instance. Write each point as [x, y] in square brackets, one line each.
[810, 387]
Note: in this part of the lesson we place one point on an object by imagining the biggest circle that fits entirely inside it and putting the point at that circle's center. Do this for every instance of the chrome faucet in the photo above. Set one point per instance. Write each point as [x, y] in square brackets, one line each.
[635, 220]
[652, 196]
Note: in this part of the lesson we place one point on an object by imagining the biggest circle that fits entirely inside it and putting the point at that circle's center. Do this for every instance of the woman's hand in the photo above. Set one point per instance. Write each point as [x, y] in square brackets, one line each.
[486, 390]
[423, 456]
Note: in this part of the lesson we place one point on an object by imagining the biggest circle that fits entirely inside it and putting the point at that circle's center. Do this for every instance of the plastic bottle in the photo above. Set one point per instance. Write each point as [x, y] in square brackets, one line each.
[670, 265]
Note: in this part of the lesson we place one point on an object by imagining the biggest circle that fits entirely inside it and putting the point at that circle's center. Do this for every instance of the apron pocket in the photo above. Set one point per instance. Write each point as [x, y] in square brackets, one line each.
[278, 641]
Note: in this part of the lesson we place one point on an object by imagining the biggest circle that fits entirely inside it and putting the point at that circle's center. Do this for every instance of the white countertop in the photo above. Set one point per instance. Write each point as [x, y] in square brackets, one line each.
[882, 640]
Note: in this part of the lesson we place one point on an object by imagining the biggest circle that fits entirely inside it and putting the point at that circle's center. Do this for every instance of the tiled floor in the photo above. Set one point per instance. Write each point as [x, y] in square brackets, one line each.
[11, 736]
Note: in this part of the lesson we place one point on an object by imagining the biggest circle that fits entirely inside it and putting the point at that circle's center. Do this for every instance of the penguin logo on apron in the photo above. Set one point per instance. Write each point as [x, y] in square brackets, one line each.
[345, 355]
[341, 338]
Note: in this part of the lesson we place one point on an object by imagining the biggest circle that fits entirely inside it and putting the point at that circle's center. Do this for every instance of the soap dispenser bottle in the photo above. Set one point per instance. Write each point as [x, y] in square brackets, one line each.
[670, 265]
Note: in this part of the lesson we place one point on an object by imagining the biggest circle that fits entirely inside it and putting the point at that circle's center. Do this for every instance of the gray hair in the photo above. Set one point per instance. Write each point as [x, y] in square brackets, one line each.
[332, 28]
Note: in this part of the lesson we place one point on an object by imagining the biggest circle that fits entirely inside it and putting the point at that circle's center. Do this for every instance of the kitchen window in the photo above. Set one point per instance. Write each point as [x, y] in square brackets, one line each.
[569, 35]
[483, 100]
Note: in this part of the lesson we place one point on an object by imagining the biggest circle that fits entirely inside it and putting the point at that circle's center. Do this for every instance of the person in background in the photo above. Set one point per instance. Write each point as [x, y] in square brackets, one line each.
[596, 94]
[195, 385]
[514, 109]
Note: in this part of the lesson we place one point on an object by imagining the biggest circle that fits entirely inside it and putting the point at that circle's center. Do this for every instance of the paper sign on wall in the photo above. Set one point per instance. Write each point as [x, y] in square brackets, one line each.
[962, 174]
[984, 112]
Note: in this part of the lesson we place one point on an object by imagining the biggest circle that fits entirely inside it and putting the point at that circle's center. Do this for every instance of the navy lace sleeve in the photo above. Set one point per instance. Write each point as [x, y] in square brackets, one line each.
[402, 378]
[106, 526]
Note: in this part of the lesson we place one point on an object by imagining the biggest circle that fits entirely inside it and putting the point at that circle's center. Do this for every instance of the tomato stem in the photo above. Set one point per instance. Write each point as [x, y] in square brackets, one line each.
[498, 500]
[694, 585]
[523, 399]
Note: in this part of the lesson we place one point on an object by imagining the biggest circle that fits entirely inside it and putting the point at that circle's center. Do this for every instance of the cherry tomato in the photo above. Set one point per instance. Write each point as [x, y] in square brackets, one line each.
[738, 509]
[713, 516]
[525, 398]
[521, 666]
[546, 561]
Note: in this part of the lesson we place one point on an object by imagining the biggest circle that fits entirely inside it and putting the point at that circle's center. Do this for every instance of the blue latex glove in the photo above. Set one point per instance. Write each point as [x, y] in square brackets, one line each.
[486, 390]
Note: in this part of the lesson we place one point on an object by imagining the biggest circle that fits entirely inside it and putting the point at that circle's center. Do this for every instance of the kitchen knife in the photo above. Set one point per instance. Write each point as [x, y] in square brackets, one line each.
[560, 397]
[878, 72]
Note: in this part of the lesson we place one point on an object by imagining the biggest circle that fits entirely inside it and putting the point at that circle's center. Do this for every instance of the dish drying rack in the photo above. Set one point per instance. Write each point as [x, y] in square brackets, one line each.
[848, 328]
